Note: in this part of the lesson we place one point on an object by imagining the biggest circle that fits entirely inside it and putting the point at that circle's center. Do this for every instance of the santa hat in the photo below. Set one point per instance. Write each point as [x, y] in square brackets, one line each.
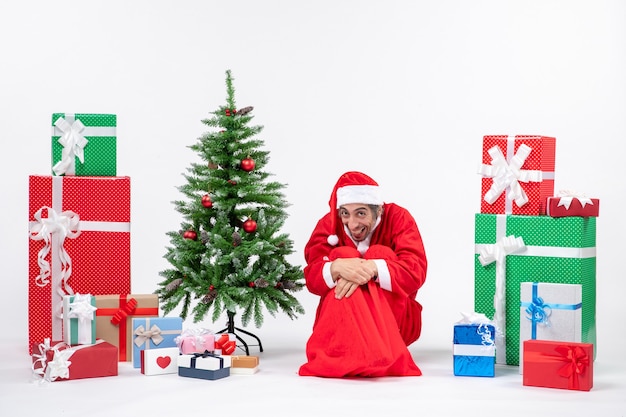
[352, 187]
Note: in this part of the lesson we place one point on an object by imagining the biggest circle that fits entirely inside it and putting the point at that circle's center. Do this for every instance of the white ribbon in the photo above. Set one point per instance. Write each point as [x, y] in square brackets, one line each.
[73, 143]
[81, 308]
[507, 175]
[497, 253]
[566, 197]
[53, 230]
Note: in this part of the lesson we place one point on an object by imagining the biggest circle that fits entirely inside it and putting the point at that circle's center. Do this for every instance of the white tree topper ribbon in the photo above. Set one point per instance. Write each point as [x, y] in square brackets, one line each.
[508, 175]
[73, 143]
[59, 227]
[566, 197]
[142, 335]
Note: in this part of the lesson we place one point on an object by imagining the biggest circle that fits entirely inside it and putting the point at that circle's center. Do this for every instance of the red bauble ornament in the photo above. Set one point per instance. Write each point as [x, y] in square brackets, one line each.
[251, 284]
[211, 287]
[206, 201]
[247, 164]
[249, 226]
[227, 112]
[190, 234]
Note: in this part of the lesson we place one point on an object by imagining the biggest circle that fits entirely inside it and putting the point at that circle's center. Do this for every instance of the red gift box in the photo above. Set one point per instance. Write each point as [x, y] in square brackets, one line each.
[58, 361]
[568, 205]
[518, 174]
[79, 243]
[558, 364]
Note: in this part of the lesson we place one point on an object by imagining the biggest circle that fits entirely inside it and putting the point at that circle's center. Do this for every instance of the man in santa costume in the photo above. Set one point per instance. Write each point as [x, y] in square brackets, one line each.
[366, 261]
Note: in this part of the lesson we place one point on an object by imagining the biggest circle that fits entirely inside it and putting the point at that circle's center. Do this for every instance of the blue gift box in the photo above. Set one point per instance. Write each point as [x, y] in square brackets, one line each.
[204, 366]
[474, 350]
[154, 332]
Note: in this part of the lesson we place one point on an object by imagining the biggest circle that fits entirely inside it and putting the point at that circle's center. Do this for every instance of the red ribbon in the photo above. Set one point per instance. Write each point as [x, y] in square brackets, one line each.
[574, 359]
[124, 312]
[228, 346]
[576, 362]
[120, 315]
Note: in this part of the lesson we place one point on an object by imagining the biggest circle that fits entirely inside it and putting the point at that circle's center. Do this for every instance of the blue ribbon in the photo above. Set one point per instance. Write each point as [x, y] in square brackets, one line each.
[538, 312]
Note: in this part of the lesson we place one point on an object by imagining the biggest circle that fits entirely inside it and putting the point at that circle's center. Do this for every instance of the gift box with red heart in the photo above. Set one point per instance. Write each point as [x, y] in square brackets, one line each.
[159, 361]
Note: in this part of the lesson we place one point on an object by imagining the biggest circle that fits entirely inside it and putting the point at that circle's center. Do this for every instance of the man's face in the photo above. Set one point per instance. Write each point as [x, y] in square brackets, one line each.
[359, 219]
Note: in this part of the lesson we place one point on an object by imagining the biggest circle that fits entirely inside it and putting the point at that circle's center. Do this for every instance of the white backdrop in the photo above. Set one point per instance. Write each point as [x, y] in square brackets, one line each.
[403, 90]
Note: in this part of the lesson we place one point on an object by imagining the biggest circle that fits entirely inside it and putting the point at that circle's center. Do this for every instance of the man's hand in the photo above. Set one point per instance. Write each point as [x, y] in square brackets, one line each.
[350, 273]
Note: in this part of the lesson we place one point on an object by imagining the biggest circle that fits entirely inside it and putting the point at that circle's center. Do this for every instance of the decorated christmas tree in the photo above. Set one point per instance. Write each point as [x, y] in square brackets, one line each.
[230, 254]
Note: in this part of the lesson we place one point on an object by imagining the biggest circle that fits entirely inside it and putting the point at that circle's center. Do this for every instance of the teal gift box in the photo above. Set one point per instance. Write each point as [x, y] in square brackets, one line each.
[511, 249]
[84, 144]
[79, 319]
[154, 332]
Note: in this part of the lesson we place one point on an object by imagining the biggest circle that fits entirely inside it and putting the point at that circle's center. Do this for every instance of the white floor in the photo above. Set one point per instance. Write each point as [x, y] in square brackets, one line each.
[276, 390]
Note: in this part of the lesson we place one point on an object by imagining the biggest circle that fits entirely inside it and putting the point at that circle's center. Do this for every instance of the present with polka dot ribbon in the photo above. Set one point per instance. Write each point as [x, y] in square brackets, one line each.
[512, 249]
[518, 174]
[79, 242]
[84, 144]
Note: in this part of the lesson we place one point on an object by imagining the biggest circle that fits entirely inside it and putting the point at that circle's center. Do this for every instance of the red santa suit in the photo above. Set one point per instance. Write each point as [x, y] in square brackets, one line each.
[368, 333]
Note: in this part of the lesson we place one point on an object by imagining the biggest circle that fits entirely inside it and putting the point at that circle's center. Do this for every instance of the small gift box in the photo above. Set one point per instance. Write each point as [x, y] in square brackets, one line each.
[57, 361]
[225, 344]
[154, 332]
[195, 341]
[114, 318]
[79, 319]
[518, 174]
[244, 365]
[550, 312]
[569, 203]
[159, 361]
[474, 351]
[204, 366]
[84, 144]
[556, 364]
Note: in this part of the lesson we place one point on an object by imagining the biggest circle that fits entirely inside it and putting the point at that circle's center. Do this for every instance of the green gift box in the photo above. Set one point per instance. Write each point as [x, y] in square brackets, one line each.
[84, 144]
[511, 249]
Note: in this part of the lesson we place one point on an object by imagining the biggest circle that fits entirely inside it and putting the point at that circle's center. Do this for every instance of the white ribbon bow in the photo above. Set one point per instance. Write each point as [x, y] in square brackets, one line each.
[508, 175]
[58, 367]
[81, 308]
[59, 226]
[566, 197]
[73, 143]
[143, 335]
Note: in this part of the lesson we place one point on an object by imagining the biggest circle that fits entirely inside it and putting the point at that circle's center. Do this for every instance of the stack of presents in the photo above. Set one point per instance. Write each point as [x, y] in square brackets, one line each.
[82, 316]
[535, 271]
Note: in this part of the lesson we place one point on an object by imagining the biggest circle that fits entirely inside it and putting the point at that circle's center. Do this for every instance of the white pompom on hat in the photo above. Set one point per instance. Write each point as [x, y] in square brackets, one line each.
[352, 187]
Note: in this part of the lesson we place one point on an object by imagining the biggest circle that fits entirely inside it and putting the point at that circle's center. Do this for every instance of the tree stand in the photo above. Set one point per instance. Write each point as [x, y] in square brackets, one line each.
[230, 328]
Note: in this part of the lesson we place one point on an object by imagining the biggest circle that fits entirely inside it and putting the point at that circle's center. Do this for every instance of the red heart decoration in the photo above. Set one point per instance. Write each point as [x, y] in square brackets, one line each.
[164, 361]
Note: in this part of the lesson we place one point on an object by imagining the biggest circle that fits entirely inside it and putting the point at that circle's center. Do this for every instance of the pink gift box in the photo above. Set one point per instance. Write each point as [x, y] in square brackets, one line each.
[195, 342]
